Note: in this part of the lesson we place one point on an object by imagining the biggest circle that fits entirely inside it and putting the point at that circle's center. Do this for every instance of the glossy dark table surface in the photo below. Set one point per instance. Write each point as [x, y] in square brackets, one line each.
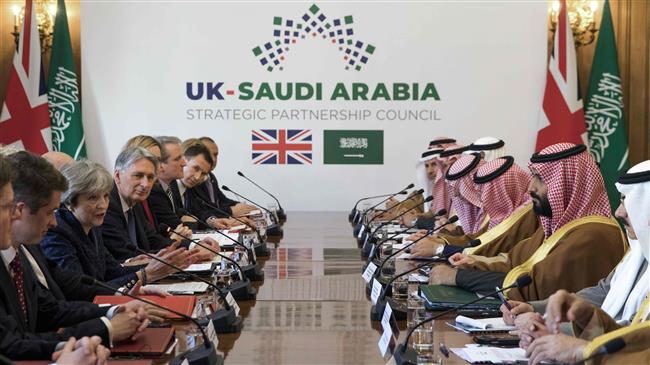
[312, 307]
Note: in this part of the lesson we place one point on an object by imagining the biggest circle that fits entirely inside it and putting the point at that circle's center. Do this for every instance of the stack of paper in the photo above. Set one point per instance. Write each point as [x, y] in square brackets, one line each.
[483, 325]
[475, 354]
[190, 287]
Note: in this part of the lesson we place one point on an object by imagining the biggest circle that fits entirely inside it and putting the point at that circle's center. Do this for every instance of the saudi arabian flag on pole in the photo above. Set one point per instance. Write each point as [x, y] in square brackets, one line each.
[63, 91]
[604, 110]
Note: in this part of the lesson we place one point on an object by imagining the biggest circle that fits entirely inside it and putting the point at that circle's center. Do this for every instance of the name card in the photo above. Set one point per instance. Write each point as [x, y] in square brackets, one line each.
[369, 272]
[212, 334]
[363, 229]
[385, 319]
[233, 303]
[376, 291]
[372, 251]
[386, 344]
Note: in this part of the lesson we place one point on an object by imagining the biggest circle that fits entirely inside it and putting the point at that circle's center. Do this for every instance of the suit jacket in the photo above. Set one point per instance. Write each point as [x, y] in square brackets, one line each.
[37, 336]
[220, 199]
[161, 206]
[62, 284]
[115, 230]
[75, 251]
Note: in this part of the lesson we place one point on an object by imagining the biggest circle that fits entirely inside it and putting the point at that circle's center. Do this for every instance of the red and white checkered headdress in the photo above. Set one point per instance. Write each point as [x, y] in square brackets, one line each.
[575, 185]
[467, 204]
[503, 187]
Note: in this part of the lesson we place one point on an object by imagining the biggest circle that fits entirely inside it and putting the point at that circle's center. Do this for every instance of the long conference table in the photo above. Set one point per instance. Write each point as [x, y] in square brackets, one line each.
[312, 306]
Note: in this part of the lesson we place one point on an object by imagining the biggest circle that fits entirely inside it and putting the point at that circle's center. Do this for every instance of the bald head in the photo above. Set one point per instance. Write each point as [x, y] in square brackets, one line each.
[57, 159]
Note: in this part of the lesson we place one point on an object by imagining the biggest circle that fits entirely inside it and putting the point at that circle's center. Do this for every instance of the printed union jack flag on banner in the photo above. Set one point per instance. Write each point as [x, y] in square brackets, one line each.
[281, 146]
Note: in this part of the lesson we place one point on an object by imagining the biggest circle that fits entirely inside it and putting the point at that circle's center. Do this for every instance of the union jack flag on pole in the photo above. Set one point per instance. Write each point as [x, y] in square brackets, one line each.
[562, 118]
[25, 121]
[282, 146]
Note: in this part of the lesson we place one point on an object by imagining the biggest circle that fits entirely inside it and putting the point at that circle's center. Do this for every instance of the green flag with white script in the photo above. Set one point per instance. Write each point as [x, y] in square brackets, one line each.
[63, 91]
[604, 110]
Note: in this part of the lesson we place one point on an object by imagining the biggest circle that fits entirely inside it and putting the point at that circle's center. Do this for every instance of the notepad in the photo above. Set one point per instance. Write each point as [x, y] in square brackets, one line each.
[152, 342]
[475, 354]
[443, 297]
[479, 326]
[184, 304]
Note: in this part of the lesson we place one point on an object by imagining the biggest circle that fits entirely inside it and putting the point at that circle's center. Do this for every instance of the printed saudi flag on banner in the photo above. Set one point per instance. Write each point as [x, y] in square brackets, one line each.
[604, 111]
[63, 93]
[353, 147]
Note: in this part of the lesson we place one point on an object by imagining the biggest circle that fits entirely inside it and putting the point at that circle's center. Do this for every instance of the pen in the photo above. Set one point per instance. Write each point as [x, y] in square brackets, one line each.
[503, 299]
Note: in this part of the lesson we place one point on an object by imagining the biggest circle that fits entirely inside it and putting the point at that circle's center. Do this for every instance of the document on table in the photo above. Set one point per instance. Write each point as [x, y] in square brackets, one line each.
[189, 287]
[494, 324]
[475, 354]
[200, 267]
[223, 241]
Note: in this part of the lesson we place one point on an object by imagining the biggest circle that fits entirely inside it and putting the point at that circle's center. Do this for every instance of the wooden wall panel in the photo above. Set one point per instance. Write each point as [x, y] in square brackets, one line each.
[631, 20]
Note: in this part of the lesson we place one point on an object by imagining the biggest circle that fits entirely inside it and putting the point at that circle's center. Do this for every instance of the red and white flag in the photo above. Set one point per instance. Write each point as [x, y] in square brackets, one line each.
[25, 121]
[562, 118]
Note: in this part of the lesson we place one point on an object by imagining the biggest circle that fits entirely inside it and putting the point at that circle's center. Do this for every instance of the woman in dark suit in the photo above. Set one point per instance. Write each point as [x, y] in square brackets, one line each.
[76, 245]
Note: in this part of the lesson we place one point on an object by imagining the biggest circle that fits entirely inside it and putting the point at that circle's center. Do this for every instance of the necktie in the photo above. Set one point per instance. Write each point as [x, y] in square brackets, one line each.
[168, 191]
[210, 190]
[131, 222]
[147, 212]
[16, 267]
[185, 200]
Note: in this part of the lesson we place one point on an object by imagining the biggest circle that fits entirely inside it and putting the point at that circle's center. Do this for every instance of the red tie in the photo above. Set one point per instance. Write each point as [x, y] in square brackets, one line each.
[147, 211]
[16, 267]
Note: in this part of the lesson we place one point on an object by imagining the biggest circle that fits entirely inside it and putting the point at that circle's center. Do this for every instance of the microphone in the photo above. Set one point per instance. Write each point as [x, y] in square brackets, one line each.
[367, 237]
[275, 230]
[377, 310]
[240, 289]
[612, 346]
[405, 356]
[205, 354]
[437, 214]
[354, 211]
[386, 210]
[257, 232]
[451, 219]
[363, 215]
[250, 271]
[281, 213]
[225, 320]
[248, 250]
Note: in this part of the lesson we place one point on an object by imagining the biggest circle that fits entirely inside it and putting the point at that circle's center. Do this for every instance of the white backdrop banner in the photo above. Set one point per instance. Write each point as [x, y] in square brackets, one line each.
[321, 103]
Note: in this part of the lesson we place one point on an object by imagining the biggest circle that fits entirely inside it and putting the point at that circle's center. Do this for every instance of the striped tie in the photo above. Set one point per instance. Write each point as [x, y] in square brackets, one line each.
[16, 267]
[168, 191]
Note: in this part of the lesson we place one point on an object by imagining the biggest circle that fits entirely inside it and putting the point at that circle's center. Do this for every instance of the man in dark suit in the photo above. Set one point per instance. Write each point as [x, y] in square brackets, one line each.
[31, 318]
[125, 222]
[210, 188]
[165, 198]
[195, 172]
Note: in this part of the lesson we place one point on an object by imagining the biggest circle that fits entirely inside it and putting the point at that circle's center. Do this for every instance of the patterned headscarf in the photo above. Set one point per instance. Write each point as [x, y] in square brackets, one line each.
[575, 185]
[467, 204]
[503, 186]
[441, 193]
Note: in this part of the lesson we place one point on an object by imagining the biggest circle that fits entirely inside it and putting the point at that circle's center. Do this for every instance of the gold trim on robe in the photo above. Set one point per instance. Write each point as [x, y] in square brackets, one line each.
[549, 244]
[493, 237]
